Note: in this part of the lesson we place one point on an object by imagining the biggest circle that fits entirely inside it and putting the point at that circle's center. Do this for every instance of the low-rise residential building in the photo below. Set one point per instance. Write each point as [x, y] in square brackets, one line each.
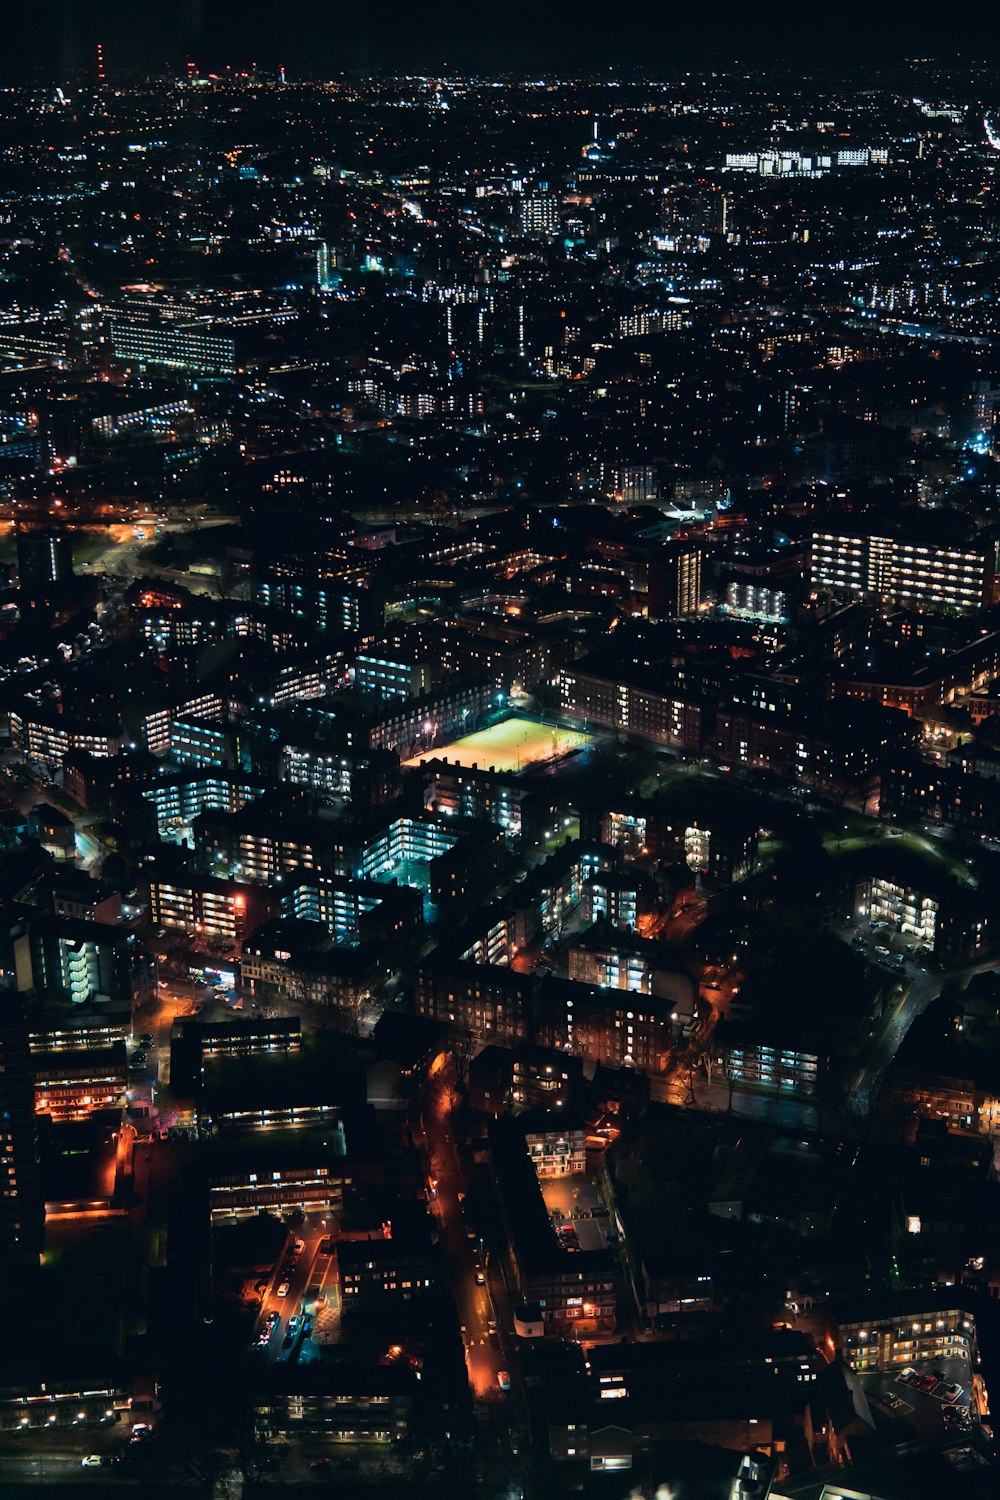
[556, 1150]
[46, 736]
[70, 1085]
[893, 1330]
[368, 1405]
[664, 716]
[385, 1270]
[77, 961]
[570, 1290]
[187, 901]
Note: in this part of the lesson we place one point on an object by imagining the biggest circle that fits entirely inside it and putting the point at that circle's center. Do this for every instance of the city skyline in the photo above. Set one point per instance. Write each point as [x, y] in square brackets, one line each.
[499, 756]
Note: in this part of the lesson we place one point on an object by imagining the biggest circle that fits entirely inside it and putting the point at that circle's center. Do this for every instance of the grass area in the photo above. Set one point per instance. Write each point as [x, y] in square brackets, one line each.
[508, 746]
[691, 791]
[924, 855]
[847, 837]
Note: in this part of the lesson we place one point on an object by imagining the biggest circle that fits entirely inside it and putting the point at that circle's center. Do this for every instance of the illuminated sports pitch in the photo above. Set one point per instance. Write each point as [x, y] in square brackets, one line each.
[508, 746]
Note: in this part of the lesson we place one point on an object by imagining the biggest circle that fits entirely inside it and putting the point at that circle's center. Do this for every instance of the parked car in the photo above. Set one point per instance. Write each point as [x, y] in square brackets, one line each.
[266, 1329]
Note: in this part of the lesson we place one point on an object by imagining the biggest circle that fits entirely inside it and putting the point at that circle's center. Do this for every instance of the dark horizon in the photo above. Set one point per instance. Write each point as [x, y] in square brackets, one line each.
[60, 41]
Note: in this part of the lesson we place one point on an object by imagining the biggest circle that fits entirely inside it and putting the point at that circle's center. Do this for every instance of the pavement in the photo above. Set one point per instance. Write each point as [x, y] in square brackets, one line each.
[572, 1195]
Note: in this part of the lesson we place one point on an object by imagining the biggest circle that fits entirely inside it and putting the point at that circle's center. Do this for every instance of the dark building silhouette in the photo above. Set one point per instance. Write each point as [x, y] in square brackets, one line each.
[21, 1200]
[44, 557]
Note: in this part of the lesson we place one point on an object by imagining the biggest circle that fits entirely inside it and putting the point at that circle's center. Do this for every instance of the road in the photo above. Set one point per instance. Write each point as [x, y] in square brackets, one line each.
[120, 556]
[475, 1304]
[174, 999]
[902, 1010]
[48, 1467]
[684, 916]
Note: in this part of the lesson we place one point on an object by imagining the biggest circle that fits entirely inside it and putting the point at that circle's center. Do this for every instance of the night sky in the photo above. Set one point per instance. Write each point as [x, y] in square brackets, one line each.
[59, 38]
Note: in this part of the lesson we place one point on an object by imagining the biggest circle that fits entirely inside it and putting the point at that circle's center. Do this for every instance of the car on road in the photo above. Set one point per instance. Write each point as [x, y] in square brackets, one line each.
[91, 1461]
[480, 1276]
[282, 1289]
[503, 1380]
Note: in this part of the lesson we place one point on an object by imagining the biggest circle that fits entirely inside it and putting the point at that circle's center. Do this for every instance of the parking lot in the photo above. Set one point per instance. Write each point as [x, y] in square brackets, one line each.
[900, 1402]
[883, 943]
[573, 1201]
